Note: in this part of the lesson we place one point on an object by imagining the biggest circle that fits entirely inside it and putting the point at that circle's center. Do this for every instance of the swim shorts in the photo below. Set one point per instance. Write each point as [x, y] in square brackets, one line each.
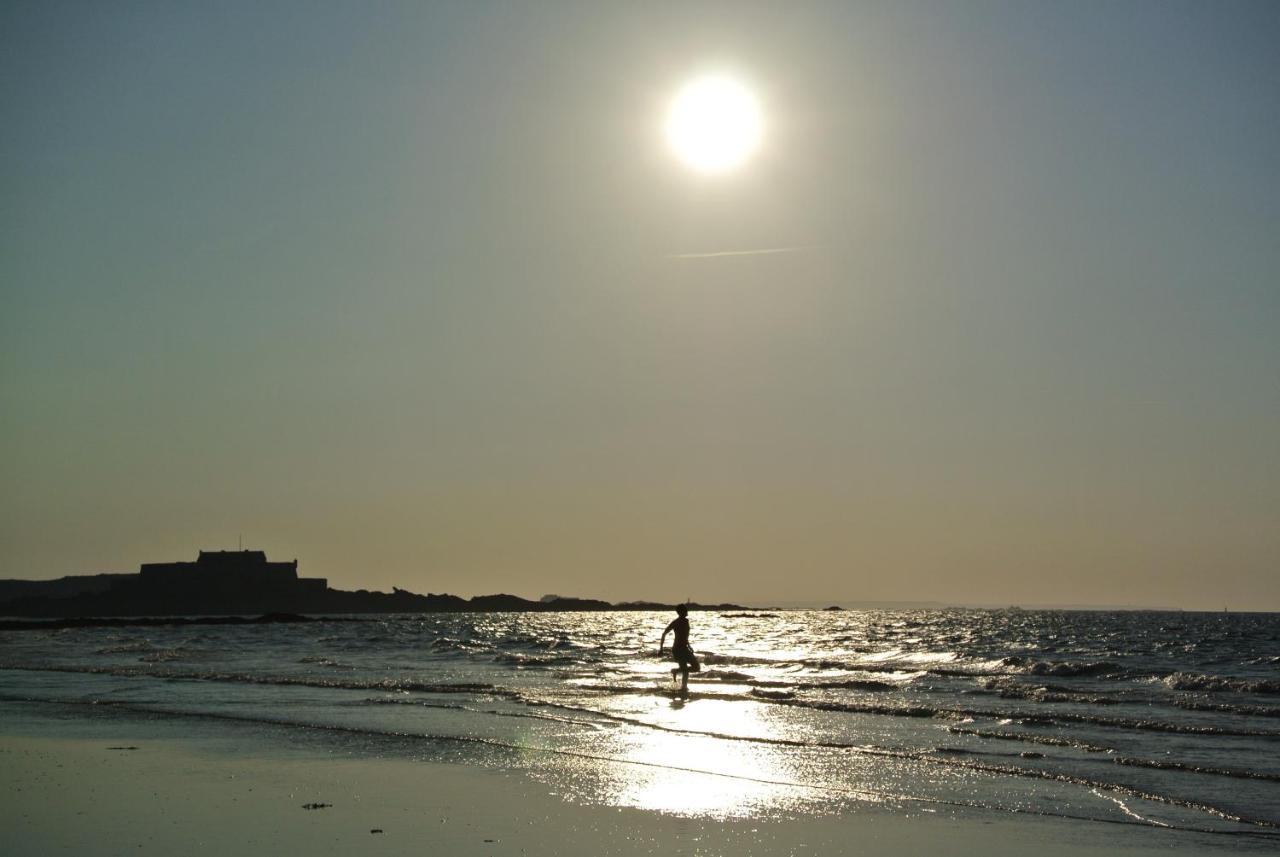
[685, 657]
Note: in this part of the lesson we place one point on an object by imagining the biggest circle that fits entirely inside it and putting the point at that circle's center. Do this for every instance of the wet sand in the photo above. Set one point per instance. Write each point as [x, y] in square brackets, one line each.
[235, 795]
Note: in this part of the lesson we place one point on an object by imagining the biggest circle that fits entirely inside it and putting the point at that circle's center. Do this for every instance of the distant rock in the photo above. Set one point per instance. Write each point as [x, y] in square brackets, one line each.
[238, 584]
[835, 607]
[63, 587]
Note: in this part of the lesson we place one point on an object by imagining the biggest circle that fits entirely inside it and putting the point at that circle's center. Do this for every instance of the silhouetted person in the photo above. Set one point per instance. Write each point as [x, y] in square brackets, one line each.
[680, 650]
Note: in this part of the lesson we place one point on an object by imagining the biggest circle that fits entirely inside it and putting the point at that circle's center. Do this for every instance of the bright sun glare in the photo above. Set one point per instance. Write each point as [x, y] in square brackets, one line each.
[714, 124]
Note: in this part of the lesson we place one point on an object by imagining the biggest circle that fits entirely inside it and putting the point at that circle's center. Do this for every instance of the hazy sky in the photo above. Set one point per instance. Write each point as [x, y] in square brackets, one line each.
[417, 294]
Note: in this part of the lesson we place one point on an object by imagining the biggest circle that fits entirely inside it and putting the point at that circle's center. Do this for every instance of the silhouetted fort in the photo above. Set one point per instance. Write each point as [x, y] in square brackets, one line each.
[219, 573]
[245, 582]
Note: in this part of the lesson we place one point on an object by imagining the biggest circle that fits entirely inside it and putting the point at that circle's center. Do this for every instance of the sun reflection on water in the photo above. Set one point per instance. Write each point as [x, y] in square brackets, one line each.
[726, 749]
[686, 774]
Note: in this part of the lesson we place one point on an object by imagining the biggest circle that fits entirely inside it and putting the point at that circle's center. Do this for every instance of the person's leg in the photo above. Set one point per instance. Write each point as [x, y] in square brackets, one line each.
[684, 677]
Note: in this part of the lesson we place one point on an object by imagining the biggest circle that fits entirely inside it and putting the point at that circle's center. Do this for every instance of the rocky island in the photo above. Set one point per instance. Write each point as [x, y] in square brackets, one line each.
[245, 583]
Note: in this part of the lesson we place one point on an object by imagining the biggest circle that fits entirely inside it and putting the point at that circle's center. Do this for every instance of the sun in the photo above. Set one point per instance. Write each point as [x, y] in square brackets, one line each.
[714, 124]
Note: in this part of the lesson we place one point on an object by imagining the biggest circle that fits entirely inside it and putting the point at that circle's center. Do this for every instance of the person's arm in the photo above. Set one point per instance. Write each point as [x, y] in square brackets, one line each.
[663, 641]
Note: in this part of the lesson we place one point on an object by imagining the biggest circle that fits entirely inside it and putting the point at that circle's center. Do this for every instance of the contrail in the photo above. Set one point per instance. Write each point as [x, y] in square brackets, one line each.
[765, 251]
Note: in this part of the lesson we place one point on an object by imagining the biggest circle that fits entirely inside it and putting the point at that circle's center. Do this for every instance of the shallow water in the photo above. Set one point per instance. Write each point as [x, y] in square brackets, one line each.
[1156, 719]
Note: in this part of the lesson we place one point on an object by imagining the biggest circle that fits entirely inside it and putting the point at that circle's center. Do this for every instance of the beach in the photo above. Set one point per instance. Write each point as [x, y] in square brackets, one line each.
[804, 733]
[245, 794]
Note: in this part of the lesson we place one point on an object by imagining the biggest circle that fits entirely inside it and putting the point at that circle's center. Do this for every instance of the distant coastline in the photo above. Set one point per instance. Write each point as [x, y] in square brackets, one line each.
[245, 583]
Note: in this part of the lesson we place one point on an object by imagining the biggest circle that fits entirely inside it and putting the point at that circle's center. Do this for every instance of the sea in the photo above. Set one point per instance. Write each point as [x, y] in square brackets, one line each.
[1168, 721]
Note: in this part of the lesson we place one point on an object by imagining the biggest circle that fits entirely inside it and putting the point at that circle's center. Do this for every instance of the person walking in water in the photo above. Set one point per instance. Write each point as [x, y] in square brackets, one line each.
[680, 650]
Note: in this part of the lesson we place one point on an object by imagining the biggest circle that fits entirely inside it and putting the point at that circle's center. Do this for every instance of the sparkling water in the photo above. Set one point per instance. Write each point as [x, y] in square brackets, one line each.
[1141, 718]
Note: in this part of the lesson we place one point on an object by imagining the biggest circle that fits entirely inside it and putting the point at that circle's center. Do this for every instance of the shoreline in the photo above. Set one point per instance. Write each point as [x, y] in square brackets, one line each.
[10, 622]
[115, 785]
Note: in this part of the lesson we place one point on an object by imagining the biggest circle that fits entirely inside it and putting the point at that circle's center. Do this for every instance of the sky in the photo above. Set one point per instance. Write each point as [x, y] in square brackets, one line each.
[418, 294]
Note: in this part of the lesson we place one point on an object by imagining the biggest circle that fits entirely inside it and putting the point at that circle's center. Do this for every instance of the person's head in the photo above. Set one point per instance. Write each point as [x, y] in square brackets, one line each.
[682, 610]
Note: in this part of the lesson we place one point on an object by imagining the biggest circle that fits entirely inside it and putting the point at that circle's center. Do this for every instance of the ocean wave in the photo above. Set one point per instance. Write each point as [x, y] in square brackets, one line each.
[898, 656]
[319, 660]
[1031, 718]
[448, 644]
[744, 660]
[930, 664]
[149, 652]
[1011, 688]
[869, 708]
[1228, 708]
[851, 684]
[1217, 683]
[1164, 765]
[1011, 665]
[385, 684]
[128, 648]
[1074, 668]
[1030, 738]
[731, 676]
[521, 660]
[178, 653]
